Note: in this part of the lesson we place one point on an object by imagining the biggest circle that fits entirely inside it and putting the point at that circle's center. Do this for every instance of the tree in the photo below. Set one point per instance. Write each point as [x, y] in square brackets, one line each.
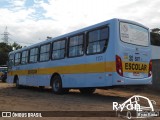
[156, 30]
[155, 36]
[16, 46]
[4, 50]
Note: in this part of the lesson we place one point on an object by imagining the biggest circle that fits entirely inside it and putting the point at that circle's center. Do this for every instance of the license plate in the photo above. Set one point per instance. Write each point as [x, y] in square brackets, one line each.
[136, 74]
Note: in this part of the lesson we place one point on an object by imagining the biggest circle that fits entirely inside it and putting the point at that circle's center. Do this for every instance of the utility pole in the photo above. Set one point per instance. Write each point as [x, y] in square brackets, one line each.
[5, 36]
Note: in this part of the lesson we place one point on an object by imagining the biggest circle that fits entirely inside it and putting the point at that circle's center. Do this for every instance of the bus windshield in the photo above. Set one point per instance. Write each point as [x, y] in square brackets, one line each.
[134, 34]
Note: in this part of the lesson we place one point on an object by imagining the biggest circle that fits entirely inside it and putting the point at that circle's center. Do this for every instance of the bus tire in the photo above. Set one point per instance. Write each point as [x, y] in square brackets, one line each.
[57, 85]
[87, 90]
[18, 86]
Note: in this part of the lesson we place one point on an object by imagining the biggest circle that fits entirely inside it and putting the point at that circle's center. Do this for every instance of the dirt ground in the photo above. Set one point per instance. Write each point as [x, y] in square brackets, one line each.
[34, 99]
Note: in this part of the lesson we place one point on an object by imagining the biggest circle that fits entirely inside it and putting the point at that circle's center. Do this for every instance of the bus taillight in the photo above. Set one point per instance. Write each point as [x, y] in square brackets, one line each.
[119, 65]
[150, 69]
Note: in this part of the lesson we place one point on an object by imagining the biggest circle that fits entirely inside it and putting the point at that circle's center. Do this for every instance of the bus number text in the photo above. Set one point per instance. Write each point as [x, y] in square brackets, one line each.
[99, 58]
[137, 58]
[130, 58]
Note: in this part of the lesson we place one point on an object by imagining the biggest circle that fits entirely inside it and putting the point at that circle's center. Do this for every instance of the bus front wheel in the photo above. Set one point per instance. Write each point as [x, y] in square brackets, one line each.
[57, 85]
[17, 84]
[87, 90]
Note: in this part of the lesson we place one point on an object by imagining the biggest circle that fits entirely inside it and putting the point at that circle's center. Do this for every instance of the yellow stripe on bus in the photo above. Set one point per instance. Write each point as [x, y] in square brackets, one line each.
[86, 68]
[73, 69]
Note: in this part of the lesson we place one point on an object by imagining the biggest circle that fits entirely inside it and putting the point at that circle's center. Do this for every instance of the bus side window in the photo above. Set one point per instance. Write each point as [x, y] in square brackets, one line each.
[33, 57]
[76, 46]
[24, 59]
[11, 61]
[58, 49]
[45, 52]
[17, 59]
[97, 40]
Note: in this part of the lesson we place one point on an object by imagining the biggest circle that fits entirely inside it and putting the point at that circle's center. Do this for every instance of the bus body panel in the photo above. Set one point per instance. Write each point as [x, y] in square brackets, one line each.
[84, 80]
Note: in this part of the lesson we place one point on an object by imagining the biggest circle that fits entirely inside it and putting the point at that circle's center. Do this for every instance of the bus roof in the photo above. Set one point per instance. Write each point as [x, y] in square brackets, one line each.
[75, 32]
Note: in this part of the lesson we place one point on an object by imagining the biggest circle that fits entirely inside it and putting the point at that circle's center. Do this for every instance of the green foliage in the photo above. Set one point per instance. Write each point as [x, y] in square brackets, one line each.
[16, 46]
[155, 37]
[156, 30]
[5, 49]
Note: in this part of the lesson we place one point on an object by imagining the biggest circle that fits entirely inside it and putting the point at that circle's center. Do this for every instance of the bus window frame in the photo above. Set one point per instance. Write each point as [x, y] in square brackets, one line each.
[25, 57]
[65, 39]
[83, 45]
[45, 52]
[106, 42]
[19, 58]
[34, 55]
[136, 25]
[10, 59]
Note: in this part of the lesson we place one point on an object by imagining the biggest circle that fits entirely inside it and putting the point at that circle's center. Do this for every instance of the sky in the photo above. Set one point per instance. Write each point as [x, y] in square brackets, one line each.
[31, 21]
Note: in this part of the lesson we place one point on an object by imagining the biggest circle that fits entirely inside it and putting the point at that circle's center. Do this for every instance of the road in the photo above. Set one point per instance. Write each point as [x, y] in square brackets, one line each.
[34, 99]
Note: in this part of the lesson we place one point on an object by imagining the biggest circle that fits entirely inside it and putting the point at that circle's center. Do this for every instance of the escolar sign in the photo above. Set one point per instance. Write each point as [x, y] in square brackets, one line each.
[134, 66]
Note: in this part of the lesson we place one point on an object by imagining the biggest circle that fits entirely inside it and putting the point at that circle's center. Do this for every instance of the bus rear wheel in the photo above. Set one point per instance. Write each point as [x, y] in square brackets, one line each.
[87, 90]
[57, 85]
[17, 84]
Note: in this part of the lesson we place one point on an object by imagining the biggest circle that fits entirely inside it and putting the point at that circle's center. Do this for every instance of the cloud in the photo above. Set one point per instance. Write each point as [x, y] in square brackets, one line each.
[87, 12]
[16, 3]
[143, 11]
[31, 21]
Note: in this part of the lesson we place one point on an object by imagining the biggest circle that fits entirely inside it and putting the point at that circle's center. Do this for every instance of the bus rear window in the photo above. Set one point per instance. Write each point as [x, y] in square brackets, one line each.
[134, 34]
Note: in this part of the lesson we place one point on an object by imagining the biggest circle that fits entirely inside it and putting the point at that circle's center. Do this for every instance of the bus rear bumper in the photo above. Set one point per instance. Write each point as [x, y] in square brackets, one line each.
[132, 81]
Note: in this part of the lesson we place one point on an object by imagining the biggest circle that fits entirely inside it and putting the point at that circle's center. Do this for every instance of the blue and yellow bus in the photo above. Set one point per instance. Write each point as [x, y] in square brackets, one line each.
[112, 53]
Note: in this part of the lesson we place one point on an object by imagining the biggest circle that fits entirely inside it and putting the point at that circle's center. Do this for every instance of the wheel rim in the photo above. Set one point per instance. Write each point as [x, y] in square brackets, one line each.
[56, 85]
